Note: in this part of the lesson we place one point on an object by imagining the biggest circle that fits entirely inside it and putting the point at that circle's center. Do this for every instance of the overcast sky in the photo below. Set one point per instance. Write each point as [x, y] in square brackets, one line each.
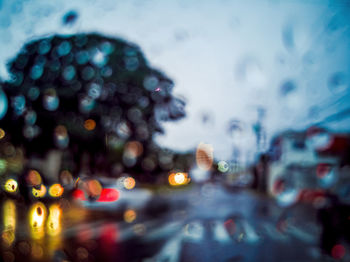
[227, 58]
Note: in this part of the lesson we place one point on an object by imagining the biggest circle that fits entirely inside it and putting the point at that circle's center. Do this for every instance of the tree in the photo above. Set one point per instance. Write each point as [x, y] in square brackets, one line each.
[93, 98]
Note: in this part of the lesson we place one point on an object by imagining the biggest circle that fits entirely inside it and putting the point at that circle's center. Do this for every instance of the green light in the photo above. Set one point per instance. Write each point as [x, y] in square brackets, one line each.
[223, 166]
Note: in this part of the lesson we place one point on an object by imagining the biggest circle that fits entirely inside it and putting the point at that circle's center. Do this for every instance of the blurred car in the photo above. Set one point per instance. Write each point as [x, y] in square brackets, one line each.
[111, 194]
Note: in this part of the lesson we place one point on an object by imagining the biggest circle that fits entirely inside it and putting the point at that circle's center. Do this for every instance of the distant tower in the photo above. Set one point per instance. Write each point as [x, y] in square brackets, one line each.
[235, 130]
[259, 131]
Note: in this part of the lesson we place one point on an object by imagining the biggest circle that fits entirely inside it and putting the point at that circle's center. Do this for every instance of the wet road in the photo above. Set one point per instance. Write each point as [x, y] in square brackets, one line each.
[202, 223]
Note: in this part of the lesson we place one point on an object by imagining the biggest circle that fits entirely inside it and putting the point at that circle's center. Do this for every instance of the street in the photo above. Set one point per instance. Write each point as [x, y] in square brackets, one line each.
[202, 223]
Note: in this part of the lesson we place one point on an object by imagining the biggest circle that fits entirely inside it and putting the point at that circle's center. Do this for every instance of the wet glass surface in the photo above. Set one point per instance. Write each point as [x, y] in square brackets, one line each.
[175, 130]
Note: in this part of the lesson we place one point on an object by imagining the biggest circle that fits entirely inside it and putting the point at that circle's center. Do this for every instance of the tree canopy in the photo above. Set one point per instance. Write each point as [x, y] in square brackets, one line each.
[85, 94]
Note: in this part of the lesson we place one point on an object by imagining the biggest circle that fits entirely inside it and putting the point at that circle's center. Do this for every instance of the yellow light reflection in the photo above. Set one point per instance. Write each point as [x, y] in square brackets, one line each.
[9, 213]
[11, 185]
[178, 179]
[54, 228]
[41, 192]
[54, 220]
[37, 216]
[90, 124]
[129, 183]
[2, 133]
[56, 190]
[130, 215]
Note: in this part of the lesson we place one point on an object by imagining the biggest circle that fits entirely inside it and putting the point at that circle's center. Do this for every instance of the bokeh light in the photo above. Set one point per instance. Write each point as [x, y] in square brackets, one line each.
[108, 195]
[56, 190]
[37, 218]
[133, 149]
[129, 183]
[130, 215]
[204, 156]
[61, 137]
[89, 124]
[50, 100]
[78, 194]
[338, 251]
[93, 188]
[39, 192]
[223, 166]
[11, 186]
[10, 220]
[178, 179]
[33, 178]
[2, 133]
[54, 220]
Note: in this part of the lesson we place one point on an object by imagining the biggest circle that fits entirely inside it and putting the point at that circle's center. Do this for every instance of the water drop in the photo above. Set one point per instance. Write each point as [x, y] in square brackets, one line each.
[99, 59]
[18, 104]
[50, 100]
[287, 197]
[33, 93]
[143, 102]
[44, 47]
[68, 73]
[131, 63]
[338, 83]
[94, 90]
[288, 37]
[30, 132]
[150, 83]
[235, 128]
[61, 137]
[88, 73]
[64, 48]
[107, 48]
[70, 18]
[86, 104]
[106, 71]
[287, 87]
[30, 117]
[82, 57]
[123, 130]
[36, 72]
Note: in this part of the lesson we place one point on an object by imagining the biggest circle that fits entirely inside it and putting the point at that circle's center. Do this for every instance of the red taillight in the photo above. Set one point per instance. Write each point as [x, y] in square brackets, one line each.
[108, 195]
[78, 194]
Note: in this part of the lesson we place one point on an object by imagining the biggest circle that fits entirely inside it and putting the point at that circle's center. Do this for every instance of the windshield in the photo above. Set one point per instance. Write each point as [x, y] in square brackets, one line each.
[175, 130]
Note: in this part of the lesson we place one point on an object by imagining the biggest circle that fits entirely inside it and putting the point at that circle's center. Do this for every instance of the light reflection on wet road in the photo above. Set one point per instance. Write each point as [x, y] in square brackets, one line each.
[204, 223]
